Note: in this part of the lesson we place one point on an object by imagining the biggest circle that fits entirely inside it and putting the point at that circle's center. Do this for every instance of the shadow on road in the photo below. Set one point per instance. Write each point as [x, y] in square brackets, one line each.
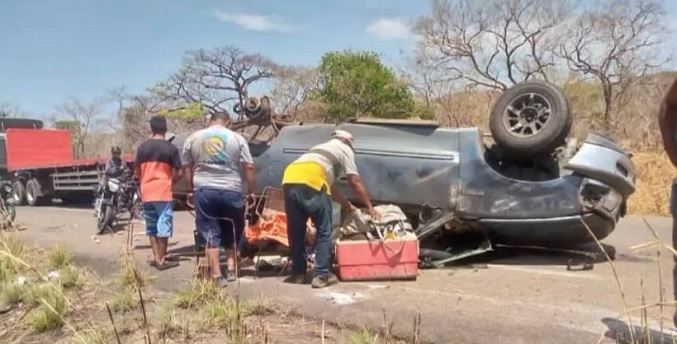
[620, 332]
[525, 256]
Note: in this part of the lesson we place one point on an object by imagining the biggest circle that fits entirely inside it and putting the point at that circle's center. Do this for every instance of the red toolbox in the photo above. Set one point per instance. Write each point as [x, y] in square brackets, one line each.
[391, 259]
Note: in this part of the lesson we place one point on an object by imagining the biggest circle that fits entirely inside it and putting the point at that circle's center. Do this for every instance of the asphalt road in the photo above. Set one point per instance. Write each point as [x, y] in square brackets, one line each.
[516, 299]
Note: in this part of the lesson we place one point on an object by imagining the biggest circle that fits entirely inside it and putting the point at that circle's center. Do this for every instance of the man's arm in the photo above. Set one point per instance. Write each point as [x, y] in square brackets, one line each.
[355, 181]
[176, 163]
[338, 197]
[187, 163]
[137, 162]
[248, 165]
[667, 122]
[111, 169]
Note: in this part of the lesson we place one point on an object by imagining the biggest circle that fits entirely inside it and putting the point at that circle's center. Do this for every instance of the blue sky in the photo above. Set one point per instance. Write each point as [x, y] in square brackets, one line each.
[50, 50]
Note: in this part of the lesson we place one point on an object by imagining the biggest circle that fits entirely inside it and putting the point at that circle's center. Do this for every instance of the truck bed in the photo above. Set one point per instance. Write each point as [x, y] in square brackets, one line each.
[30, 149]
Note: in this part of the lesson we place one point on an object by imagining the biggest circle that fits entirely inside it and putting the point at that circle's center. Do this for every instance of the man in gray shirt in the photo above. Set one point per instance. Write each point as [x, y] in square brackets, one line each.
[214, 160]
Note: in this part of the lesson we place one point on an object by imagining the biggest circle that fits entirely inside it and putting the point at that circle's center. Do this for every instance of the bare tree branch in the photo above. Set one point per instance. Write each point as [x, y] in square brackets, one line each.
[492, 44]
[215, 77]
[291, 89]
[616, 43]
[84, 118]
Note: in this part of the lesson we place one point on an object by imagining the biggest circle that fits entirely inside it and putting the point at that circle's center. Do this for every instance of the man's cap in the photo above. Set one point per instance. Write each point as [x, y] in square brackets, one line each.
[342, 134]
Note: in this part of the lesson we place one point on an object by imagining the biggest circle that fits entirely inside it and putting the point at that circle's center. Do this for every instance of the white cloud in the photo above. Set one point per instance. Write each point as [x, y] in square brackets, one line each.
[389, 28]
[256, 22]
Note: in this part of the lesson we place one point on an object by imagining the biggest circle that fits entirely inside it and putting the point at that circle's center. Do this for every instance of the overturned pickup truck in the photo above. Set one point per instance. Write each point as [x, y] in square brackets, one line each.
[529, 187]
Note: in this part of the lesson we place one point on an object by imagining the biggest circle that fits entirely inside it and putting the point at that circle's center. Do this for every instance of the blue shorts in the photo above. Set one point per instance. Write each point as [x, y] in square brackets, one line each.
[159, 217]
[219, 217]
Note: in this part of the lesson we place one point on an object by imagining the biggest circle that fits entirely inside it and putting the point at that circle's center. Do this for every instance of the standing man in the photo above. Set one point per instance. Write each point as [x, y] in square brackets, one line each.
[214, 160]
[667, 122]
[308, 191]
[158, 167]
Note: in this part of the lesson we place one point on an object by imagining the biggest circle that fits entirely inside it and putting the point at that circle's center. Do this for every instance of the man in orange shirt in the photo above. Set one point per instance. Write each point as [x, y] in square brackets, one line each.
[158, 166]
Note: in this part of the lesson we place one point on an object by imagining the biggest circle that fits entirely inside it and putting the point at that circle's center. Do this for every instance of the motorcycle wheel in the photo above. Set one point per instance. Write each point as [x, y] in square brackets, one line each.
[105, 218]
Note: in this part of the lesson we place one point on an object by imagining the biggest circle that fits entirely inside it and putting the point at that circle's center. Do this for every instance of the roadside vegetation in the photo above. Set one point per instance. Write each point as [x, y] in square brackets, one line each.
[46, 297]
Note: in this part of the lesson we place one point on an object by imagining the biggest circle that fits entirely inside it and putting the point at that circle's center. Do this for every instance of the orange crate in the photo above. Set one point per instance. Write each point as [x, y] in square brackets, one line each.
[391, 259]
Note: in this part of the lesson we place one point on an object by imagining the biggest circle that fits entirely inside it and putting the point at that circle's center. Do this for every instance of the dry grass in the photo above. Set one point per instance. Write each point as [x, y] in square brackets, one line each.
[654, 178]
[37, 285]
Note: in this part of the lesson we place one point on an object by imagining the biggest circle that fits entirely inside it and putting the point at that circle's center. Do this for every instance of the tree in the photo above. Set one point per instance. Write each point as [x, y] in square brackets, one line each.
[616, 43]
[493, 44]
[12, 110]
[357, 84]
[80, 118]
[292, 88]
[213, 78]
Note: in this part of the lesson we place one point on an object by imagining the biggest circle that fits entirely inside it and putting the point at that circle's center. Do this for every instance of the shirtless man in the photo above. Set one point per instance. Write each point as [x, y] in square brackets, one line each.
[667, 122]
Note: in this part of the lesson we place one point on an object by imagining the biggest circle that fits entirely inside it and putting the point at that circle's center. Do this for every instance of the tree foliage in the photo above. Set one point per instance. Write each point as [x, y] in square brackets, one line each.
[357, 84]
[191, 112]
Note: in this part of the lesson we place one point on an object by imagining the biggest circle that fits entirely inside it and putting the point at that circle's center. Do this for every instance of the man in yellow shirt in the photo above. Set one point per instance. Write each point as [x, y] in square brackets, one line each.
[308, 190]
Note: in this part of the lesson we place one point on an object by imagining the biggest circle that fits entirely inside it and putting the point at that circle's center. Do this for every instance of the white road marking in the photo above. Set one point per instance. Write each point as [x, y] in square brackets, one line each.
[247, 280]
[580, 274]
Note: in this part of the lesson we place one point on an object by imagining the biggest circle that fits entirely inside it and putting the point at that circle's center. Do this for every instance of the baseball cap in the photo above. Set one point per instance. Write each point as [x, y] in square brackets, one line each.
[342, 134]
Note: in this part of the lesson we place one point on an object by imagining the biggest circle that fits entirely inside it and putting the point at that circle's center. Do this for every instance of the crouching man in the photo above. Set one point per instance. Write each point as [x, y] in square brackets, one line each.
[308, 190]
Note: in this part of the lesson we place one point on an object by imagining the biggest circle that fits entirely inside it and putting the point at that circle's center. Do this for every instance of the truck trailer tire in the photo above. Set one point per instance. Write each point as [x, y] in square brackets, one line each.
[19, 192]
[34, 194]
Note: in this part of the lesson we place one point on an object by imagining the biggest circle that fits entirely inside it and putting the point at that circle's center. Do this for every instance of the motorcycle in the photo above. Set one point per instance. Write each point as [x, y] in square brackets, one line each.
[119, 195]
[7, 201]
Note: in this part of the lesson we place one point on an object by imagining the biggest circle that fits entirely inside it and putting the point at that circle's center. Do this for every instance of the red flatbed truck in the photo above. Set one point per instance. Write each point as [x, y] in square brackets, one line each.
[41, 166]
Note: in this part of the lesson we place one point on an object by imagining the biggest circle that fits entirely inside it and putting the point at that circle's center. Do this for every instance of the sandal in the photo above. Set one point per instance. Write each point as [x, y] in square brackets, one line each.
[153, 262]
[166, 265]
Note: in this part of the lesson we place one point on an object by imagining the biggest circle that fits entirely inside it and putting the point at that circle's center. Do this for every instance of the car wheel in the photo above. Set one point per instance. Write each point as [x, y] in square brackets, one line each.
[531, 118]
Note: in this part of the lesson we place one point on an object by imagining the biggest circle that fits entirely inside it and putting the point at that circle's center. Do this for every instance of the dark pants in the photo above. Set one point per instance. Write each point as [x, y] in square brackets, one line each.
[219, 216]
[300, 203]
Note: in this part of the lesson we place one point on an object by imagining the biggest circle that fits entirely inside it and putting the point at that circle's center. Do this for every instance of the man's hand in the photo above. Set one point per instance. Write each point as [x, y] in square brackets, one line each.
[189, 200]
[250, 200]
[375, 215]
[347, 207]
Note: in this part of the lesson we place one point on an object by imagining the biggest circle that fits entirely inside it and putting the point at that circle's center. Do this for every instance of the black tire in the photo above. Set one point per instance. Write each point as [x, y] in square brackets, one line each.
[540, 133]
[105, 219]
[19, 192]
[32, 192]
